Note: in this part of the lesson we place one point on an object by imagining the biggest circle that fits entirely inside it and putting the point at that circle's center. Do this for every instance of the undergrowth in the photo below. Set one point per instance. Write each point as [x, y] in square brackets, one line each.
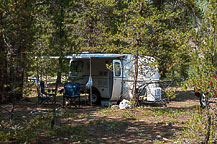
[72, 126]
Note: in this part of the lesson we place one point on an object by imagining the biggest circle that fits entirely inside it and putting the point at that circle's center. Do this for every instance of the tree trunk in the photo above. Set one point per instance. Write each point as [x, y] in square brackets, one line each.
[135, 76]
[208, 128]
[3, 66]
[3, 71]
[16, 75]
[158, 3]
[59, 73]
[20, 74]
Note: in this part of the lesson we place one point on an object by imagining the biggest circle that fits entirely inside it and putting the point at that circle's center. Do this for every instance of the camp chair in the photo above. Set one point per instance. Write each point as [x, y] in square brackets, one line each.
[44, 96]
[71, 93]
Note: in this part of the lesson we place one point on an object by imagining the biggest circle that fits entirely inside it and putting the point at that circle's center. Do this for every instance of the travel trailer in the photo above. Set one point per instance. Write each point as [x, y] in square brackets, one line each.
[111, 76]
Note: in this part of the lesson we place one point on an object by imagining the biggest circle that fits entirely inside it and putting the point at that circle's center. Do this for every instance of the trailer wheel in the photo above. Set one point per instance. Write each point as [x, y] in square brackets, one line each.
[95, 97]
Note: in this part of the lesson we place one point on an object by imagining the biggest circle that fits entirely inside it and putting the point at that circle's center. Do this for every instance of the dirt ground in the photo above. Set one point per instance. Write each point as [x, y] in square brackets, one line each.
[97, 124]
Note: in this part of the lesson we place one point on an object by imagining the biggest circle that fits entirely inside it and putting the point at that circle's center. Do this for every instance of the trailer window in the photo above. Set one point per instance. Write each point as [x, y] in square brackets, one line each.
[117, 68]
[77, 66]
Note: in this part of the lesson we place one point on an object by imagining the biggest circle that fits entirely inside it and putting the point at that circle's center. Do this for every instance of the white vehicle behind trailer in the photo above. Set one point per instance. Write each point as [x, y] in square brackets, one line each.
[112, 76]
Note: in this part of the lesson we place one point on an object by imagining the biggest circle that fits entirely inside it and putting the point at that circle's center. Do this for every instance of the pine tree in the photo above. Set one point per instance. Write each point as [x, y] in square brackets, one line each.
[17, 35]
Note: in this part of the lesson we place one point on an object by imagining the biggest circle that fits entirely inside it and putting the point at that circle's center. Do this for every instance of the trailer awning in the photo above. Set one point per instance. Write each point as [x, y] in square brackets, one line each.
[85, 56]
[47, 57]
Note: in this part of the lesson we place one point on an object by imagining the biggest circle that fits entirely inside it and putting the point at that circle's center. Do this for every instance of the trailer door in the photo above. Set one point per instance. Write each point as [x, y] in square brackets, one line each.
[117, 80]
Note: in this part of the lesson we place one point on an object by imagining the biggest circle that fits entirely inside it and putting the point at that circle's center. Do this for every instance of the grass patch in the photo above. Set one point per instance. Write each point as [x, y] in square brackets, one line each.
[172, 113]
[72, 133]
[108, 125]
[108, 111]
[129, 114]
[116, 124]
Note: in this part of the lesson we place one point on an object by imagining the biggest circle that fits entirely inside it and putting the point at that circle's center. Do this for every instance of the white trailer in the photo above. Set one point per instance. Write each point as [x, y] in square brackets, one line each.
[111, 76]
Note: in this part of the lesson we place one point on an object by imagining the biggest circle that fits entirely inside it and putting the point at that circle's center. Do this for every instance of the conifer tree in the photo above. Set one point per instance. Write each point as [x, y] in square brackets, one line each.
[17, 35]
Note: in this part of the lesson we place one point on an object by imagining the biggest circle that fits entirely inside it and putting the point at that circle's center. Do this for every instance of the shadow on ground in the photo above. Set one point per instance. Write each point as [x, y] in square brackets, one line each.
[185, 95]
[95, 124]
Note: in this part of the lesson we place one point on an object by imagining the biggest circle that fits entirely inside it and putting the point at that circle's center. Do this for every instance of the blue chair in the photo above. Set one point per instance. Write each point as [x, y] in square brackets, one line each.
[44, 96]
[71, 93]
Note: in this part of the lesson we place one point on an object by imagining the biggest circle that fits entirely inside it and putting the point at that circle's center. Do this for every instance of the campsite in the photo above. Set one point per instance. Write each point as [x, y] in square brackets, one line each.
[108, 71]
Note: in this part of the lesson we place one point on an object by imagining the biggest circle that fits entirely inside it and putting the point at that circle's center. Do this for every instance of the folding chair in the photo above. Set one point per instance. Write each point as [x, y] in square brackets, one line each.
[44, 96]
[71, 93]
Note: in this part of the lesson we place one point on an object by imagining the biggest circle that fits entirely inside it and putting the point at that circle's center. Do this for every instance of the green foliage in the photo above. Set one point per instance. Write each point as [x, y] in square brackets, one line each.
[137, 27]
[56, 21]
[204, 53]
[196, 129]
[143, 28]
[17, 33]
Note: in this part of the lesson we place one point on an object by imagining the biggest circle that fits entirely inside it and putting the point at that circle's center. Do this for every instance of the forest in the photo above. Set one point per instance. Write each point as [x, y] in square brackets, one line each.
[179, 34]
